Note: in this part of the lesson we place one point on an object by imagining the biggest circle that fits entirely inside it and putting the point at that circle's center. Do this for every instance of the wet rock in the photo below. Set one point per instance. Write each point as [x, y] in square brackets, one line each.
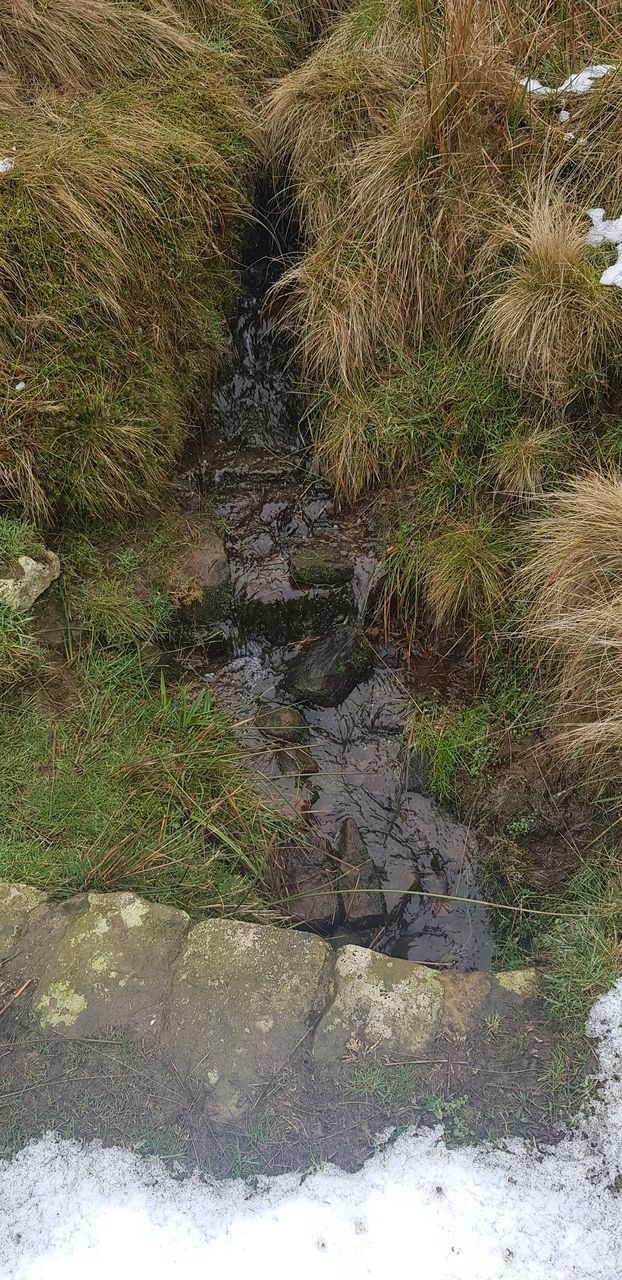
[312, 893]
[359, 879]
[318, 564]
[242, 999]
[269, 606]
[27, 578]
[389, 1007]
[324, 672]
[284, 724]
[297, 762]
[418, 772]
[111, 967]
[199, 583]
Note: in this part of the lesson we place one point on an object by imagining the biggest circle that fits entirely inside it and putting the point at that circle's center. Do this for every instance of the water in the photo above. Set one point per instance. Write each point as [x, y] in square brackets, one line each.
[255, 466]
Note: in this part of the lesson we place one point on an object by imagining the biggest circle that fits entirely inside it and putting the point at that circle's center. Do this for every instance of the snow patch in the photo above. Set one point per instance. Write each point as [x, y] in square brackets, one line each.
[607, 231]
[577, 82]
[478, 1213]
[5, 164]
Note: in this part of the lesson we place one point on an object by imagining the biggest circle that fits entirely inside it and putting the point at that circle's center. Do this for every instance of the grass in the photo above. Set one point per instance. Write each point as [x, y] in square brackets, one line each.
[19, 651]
[136, 788]
[453, 745]
[17, 538]
[577, 946]
[575, 579]
[116, 590]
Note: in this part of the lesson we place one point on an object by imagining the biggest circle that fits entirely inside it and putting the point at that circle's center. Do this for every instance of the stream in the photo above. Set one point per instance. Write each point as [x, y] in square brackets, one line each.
[350, 777]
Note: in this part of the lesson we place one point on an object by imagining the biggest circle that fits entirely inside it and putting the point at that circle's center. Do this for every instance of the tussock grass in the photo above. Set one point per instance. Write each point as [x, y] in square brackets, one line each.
[575, 579]
[73, 46]
[526, 459]
[115, 228]
[464, 572]
[551, 326]
[342, 95]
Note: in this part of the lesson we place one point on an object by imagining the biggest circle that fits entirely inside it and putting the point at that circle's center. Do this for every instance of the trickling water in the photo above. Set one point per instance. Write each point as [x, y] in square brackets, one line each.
[255, 467]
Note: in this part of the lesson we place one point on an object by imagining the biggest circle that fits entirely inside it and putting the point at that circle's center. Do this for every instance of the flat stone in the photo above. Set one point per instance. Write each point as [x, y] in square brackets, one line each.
[112, 967]
[17, 902]
[28, 580]
[242, 1000]
[297, 762]
[359, 879]
[519, 982]
[268, 605]
[284, 724]
[325, 671]
[389, 1007]
[319, 564]
[199, 583]
[313, 896]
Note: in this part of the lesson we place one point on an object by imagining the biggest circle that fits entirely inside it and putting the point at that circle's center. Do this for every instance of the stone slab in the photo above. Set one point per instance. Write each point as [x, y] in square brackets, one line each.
[391, 1007]
[112, 967]
[17, 902]
[242, 1001]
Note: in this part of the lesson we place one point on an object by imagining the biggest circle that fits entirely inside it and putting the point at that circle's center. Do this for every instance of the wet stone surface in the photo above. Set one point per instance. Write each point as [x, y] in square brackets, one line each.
[304, 577]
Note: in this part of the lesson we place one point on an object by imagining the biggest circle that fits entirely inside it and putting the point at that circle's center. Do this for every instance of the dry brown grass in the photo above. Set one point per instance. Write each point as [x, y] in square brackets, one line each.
[574, 577]
[75, 45]
[332, 302]
[551, 327]
[342, 95]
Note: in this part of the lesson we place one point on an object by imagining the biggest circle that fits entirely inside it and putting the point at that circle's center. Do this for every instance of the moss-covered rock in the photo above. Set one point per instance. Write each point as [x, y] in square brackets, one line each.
[325, 671]
[319, 564]
[378, 1004]
[17, 902]
[199, 581]
[284, 724]
[111, 968]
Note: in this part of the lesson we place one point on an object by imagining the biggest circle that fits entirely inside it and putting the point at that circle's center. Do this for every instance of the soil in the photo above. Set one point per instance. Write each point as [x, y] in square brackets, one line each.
[495, 1087]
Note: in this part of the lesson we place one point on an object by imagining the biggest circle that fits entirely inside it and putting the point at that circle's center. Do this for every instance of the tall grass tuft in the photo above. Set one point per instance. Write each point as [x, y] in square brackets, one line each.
[575, 580]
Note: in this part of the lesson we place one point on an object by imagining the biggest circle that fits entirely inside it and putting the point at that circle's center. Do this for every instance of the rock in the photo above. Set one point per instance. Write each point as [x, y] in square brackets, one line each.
[243, 998]
[325, 671]
[268, 605]
[313, 896]
[28, 579]
[296, 762]
[285, 724]
[111, 968]
[17, 902]
[519, 982]
[199, 583]
[359, 879]
[387, 1006]
[318, 564]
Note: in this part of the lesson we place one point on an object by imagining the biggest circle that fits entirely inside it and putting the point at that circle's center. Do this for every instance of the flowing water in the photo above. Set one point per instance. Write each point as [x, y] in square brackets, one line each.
[255, 467]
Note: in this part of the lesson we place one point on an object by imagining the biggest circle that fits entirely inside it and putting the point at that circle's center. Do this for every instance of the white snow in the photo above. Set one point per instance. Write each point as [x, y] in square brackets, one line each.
[20, 386]
[577, 82]
[563, 117]
[5, 164]
[607, 231]
[478, 1213]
